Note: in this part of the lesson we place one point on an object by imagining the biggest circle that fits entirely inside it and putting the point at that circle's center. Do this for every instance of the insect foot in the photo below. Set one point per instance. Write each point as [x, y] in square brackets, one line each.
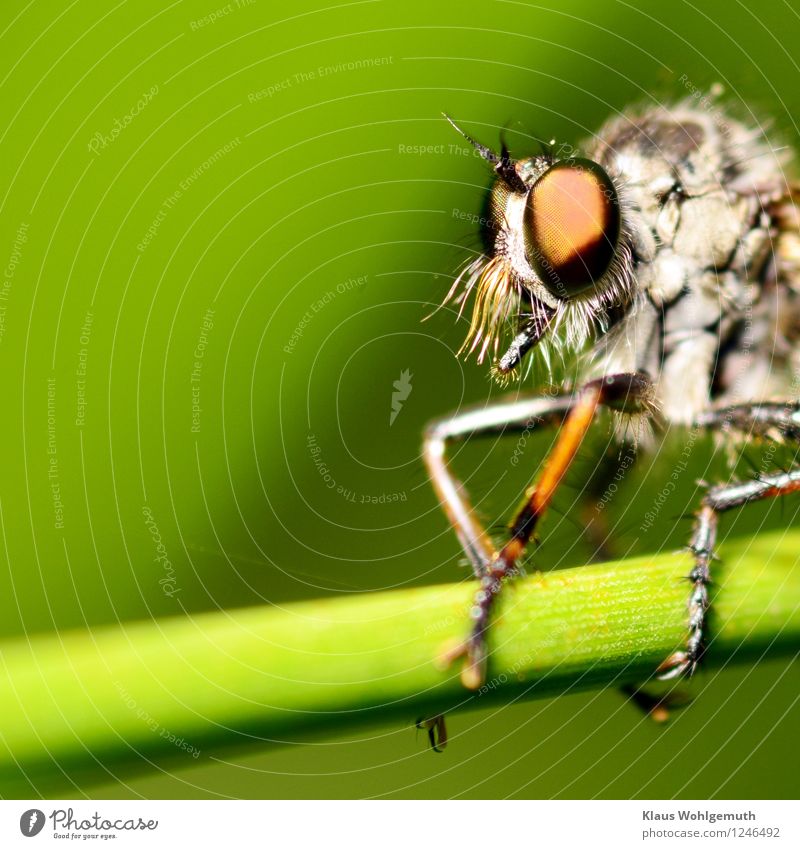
[679, 663]
[658, 707]
[684, 663]
[437, 731]
[474, 649]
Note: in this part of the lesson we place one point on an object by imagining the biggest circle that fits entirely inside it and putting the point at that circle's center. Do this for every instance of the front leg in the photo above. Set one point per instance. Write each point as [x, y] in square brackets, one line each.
[628, 393]
[510, 415]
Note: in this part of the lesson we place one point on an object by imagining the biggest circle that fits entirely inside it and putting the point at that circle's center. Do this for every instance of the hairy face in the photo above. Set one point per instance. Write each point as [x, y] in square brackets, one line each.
[557, 255]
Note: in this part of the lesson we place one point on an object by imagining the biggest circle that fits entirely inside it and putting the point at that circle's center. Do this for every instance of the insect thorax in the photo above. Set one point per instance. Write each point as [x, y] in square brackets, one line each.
[715, 252]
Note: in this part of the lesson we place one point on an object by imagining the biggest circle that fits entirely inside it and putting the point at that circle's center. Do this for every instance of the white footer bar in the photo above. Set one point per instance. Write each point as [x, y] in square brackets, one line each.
[401, 824]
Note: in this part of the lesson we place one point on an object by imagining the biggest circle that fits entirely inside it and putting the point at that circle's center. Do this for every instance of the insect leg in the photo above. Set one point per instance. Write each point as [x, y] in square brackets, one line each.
[505, 416]
[718, 499]
[755, 419]
[626, 392]
[615, 463]
[437, 732]
[509, 415]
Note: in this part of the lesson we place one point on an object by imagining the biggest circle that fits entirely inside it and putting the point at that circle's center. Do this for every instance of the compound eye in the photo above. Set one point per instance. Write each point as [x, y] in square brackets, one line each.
[572, 226]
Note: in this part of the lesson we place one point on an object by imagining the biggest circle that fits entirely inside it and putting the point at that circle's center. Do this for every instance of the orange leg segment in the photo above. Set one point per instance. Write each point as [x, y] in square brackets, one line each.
[626, 392]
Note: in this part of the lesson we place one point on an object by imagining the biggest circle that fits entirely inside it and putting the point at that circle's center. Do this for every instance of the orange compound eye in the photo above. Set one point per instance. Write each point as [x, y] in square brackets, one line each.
[572, 225]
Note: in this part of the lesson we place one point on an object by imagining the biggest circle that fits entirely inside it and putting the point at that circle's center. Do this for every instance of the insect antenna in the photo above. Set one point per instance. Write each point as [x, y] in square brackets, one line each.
[503, 164]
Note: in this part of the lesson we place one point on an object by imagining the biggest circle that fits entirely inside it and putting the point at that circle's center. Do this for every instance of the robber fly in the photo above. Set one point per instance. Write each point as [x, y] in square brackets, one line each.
[668, 252]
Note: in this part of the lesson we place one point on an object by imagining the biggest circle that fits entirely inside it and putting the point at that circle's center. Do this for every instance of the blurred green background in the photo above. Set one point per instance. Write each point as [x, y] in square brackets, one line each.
[220, 228]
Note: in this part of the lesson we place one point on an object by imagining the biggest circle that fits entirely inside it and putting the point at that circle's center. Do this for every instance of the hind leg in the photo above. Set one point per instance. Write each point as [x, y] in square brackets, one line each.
[777, 420]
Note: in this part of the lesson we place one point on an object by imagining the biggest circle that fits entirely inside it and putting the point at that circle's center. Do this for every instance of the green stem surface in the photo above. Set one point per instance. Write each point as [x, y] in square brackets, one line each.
[169, 689]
